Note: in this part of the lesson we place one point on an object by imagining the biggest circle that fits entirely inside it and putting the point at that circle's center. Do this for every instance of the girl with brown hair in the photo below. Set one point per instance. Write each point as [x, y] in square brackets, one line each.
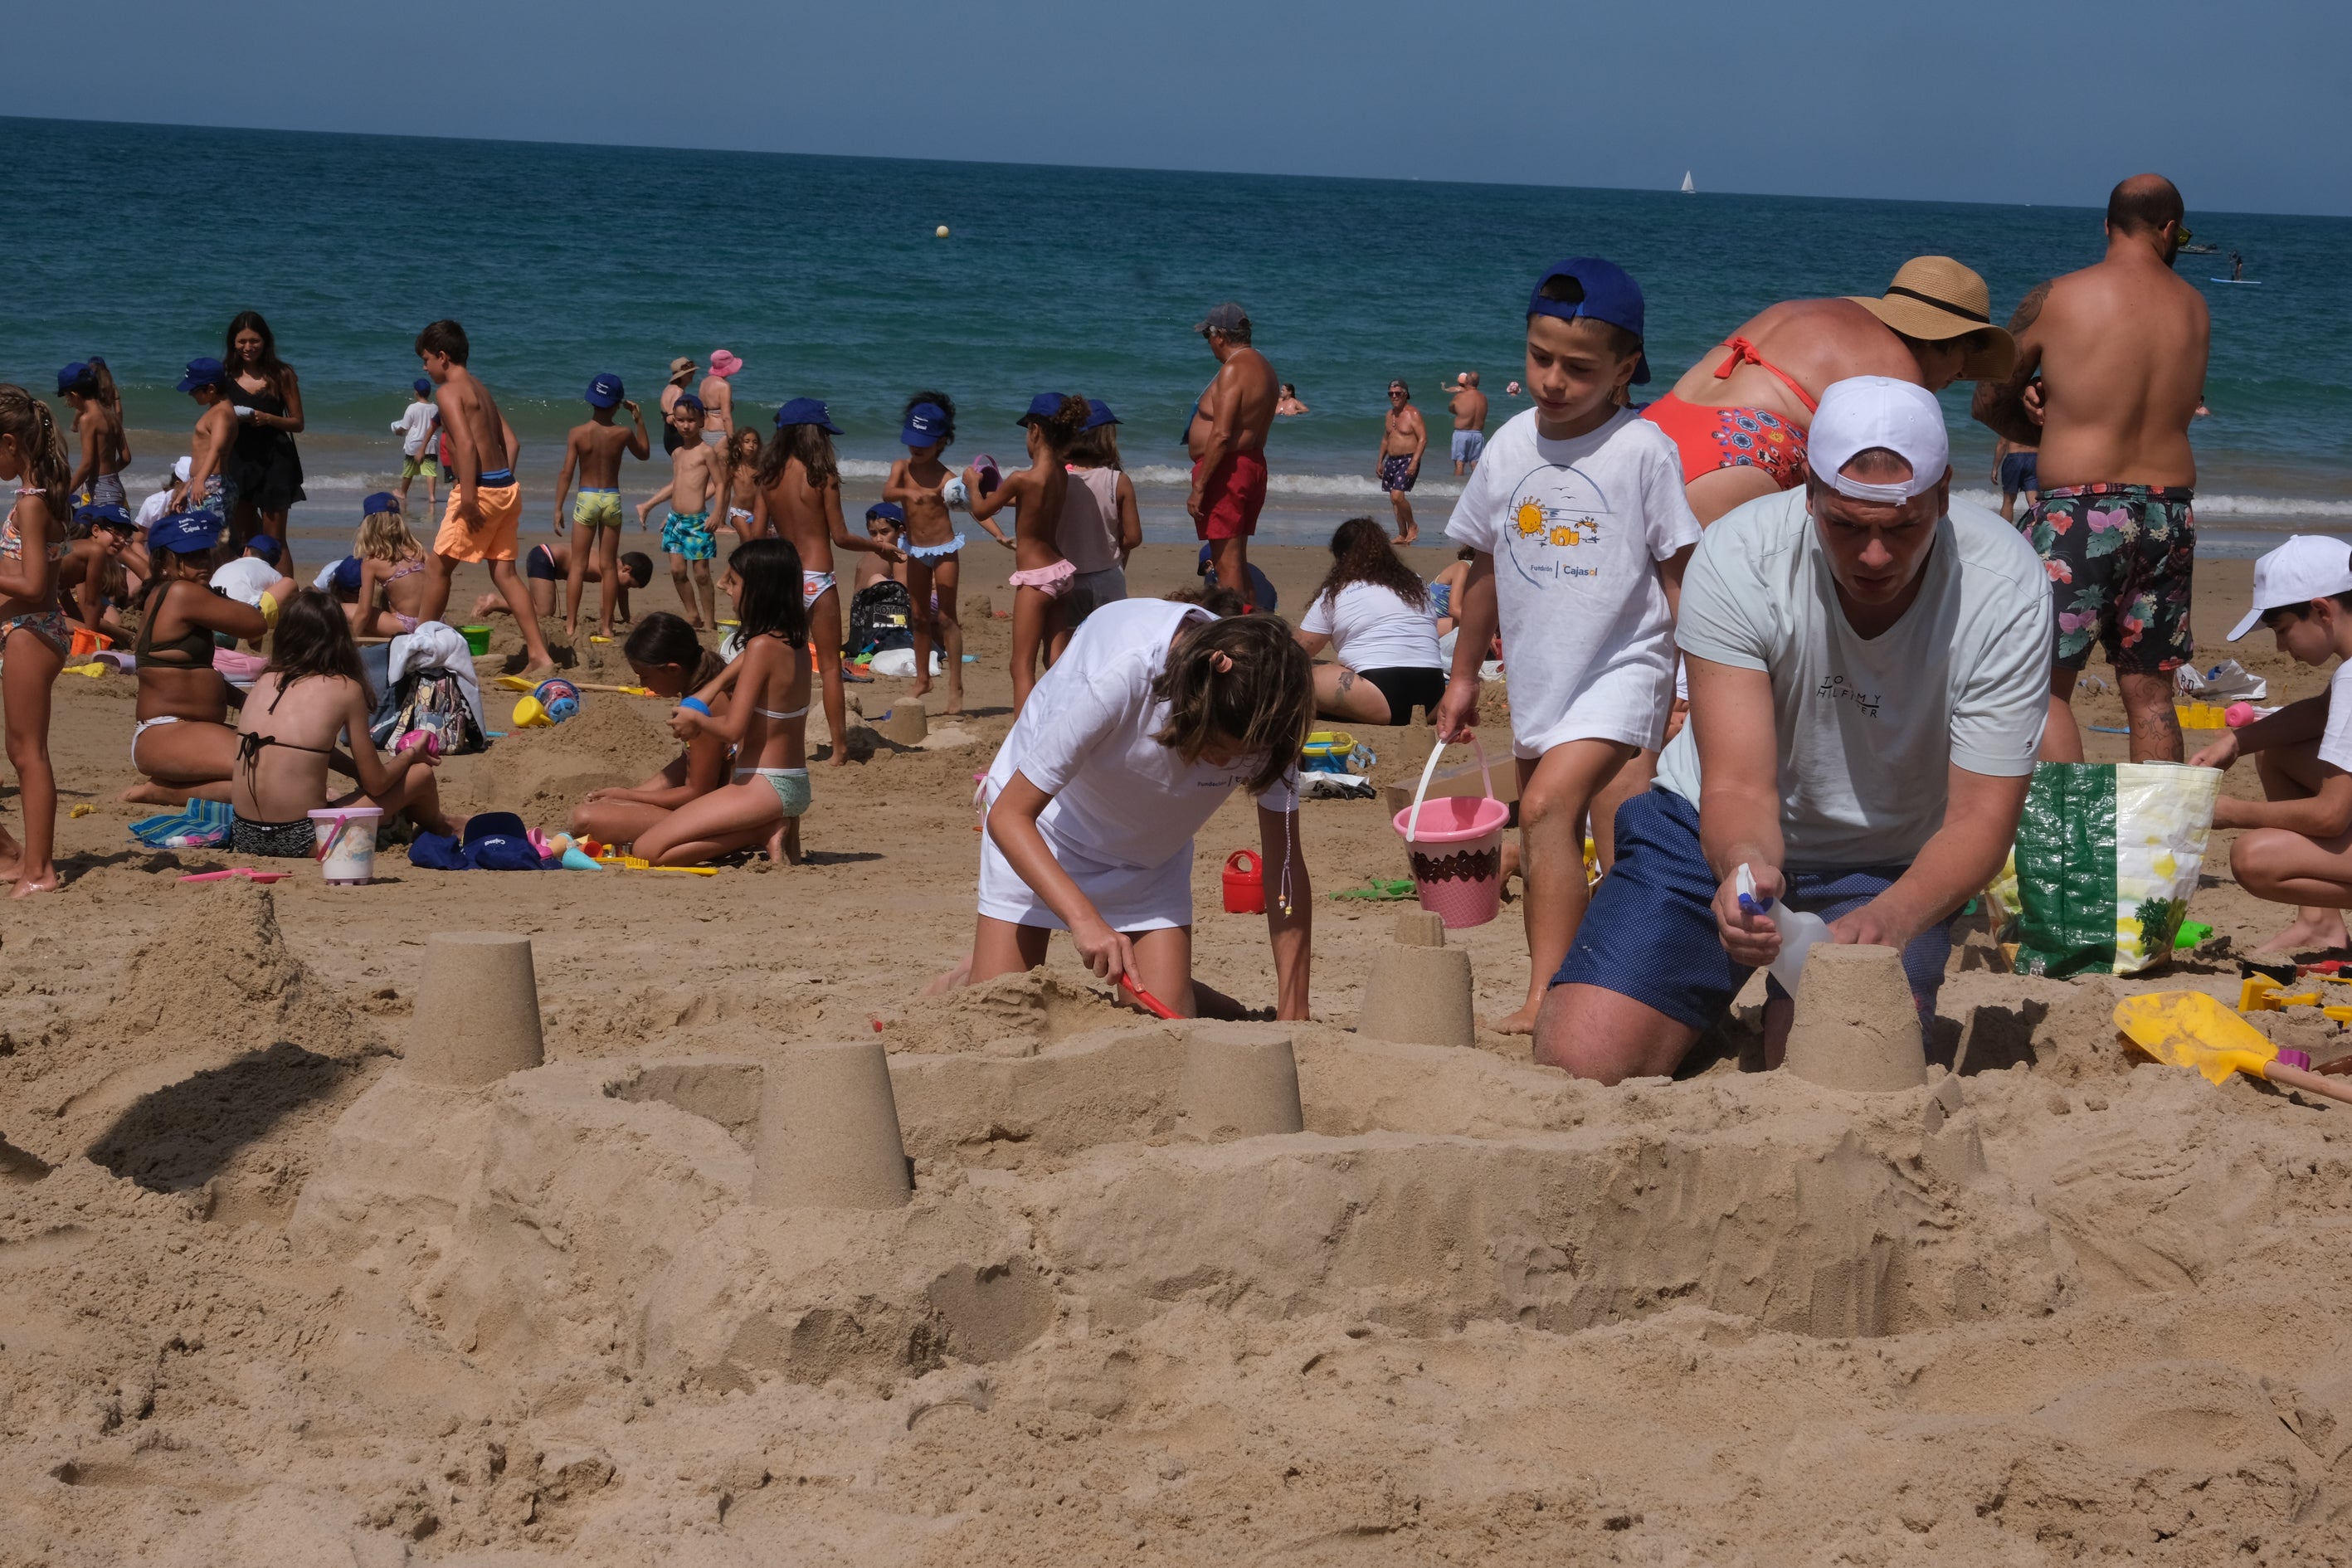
[267, 466]
[1037, 494]
[1372, 612]
[34, 632]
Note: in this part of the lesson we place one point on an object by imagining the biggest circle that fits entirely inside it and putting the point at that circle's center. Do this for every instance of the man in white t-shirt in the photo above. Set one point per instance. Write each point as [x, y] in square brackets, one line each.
[1869, 665]
[2301, 849]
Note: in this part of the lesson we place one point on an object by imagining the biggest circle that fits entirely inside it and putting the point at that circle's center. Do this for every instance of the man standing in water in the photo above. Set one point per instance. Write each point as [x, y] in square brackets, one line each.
[2119, 349]
[1226, 438]
[485, 501]
[1403, 438]
[1469, 406]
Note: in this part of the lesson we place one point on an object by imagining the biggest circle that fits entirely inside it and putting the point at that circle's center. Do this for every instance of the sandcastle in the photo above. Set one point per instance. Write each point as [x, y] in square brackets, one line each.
[1419, 991]
[1856, 1026]
[906, 724]
[1238, 1082]
[829, 1130]
[478, 1020]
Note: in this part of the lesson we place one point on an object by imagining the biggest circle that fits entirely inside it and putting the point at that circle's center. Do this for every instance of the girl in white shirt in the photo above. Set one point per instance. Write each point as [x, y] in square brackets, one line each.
[1372, 613]
[1160, 712]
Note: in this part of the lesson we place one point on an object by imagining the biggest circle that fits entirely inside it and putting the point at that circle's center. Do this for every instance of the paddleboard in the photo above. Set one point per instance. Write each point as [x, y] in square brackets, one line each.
[2242, 282]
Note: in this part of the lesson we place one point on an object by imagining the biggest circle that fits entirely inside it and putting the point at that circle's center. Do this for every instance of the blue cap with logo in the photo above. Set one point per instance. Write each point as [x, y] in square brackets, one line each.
[604, 392]
[423, 387]
[188, 532]
[1045, 406]
[72, 373]
[347, 574]
[1098, 415]
[1600, 289]
[383, 500]
[105, 514]
[806, 411]
[204, 372]
[927, 425]
[886, 511]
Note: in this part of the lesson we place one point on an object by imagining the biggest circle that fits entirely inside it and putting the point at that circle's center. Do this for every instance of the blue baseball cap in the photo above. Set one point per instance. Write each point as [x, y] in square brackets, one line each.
[422, 386]
[265, 548]
[188, 533]
[887, 511]
[72, 373]
[383, 500]
[806, 411]
[1045, 406]
[685, 400]
[347, 573]
[604, 392]
[204, 372]
[1098, 415]
[1604, 292]
[105, 514]
[927, 425]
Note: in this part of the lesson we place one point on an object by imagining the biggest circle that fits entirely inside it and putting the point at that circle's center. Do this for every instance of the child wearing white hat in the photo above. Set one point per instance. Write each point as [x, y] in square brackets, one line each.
[2300, 851]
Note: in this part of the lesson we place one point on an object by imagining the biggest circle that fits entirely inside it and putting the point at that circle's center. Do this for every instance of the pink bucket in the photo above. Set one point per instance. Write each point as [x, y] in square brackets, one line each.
[1456, 846]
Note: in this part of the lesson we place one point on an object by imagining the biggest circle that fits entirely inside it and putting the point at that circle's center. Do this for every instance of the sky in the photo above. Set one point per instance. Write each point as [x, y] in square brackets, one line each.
[2006, 100]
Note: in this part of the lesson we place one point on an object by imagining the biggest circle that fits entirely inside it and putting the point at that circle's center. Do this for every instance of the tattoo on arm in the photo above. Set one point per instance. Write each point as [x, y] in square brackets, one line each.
[2029, 310]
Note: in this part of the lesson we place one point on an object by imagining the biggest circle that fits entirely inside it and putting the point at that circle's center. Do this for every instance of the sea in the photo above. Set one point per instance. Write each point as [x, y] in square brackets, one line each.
[827, 277]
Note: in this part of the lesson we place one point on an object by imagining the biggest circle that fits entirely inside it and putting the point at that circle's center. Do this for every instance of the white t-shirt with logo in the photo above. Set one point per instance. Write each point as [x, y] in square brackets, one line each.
[416, 422]
[1577, 529]
[1868, 728]
[2335, 745]
[1371, 628]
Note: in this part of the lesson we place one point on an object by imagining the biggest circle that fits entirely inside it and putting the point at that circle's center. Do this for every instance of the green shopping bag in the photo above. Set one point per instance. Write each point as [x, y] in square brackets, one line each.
[2107, 855]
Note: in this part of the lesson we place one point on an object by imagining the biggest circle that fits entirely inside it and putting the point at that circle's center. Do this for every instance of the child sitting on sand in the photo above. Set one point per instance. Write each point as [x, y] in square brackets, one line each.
[1041, 575]
[766, 723]
[181, 741]
[2301, 849]
[312, 691]
[686, 533]
[670, 660]
[392, 562]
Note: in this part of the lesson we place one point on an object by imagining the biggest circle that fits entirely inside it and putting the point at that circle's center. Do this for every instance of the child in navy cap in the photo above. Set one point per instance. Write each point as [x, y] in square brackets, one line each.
[1583, 499]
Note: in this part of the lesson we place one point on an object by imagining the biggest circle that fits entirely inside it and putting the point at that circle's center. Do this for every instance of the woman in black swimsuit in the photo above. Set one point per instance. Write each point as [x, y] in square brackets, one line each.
[266, 464]
[182, 742]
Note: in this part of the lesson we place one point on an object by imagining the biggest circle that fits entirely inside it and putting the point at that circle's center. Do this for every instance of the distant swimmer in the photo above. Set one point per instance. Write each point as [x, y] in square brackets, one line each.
[1287, 405]
[2110, 372]
[1740, 415]
[1226, 438]
[1403, 438]
[1469, 406]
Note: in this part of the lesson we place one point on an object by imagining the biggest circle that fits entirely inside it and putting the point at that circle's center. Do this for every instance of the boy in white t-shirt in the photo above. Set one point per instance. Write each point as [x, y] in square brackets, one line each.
[1581, 532]
[2301, 849]
[415, 426]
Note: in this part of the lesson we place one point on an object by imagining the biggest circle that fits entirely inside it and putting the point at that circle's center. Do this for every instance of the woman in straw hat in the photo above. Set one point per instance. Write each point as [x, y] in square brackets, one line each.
[1739, 415]
[681, 382]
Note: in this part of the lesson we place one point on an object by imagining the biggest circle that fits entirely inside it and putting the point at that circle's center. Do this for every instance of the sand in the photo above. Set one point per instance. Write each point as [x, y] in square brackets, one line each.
[267, 1296]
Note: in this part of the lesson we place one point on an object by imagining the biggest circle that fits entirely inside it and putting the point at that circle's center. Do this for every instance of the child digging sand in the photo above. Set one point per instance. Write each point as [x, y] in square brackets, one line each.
[1041, 575]
[686, 534]
[669, 661]
[766, 722]
[1584, 499]
[593, 451]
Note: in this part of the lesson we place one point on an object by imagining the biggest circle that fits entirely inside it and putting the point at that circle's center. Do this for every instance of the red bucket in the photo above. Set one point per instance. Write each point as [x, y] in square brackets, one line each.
[1456, 846]
[1244, 891]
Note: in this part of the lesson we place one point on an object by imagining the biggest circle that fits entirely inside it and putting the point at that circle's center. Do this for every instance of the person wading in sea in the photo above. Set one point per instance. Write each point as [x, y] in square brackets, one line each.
[1227, 437]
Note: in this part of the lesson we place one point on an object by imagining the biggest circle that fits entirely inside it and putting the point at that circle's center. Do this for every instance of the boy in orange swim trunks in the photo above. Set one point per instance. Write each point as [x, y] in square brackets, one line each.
[485, 503]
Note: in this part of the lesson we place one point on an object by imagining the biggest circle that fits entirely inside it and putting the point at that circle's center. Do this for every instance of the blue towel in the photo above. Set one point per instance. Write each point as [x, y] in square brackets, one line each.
[204, 824]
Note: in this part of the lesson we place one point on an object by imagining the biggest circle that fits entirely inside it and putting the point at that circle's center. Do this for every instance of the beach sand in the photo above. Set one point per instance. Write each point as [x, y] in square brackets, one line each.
[267, 1299]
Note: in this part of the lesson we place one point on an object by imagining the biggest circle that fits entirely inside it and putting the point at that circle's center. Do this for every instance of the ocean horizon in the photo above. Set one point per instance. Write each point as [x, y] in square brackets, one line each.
[822, 273]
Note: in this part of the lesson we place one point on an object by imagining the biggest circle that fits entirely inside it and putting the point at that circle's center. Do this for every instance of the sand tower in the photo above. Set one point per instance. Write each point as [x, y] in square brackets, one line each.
[1238, 1081]
[1420, 989]
[477, 1016]
[906, 724]
[829, 1130]
[1856, 1025]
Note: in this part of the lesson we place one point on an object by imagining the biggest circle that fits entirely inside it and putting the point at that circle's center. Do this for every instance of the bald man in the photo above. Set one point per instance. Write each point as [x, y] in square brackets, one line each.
[2119, 352]
[1469, 409]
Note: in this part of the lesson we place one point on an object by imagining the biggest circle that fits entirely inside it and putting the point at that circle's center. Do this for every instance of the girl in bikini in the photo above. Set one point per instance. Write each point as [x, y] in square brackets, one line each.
[739, 487]
[1041, 572]
[932, 544]
[182, 742]
[34, 632]
[312, 691]
[390, 560]
[766, 723]
[669, 659]
[89, 385]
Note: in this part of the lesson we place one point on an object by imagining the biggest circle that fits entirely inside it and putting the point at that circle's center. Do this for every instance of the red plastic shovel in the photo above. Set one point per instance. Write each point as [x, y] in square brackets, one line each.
[1149, 1003]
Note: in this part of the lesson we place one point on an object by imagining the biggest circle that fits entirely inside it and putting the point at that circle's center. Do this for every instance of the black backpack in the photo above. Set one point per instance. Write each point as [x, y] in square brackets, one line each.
[880, 618]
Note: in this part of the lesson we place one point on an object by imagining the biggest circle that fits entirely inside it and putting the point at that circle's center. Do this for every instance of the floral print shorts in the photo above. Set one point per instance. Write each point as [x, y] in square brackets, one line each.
[2119, 558]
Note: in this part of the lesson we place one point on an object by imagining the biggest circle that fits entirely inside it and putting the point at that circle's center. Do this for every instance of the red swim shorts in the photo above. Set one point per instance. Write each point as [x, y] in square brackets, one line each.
[1233, 497]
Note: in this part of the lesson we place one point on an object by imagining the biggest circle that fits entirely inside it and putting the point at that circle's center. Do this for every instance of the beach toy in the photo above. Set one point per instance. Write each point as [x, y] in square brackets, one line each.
[2190, 1029]
[941, 232]
[990, 475]
[346, 850]
[2238, 715]
[1464, 882]
[86, 642]
[574, 860]
[954, 493]
[1245, 887]
[1799, 931]
[248, 872]
[1327, 752]
[559, 697]
[477, 639]
[529, 715]
[410, 739]
[1146, 1000]
[82, 810]
[2191, 933]
[1380, 890]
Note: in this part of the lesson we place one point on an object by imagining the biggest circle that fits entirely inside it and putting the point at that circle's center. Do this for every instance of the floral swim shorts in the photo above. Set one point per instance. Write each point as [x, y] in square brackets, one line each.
[2119, 558]
[687, 534]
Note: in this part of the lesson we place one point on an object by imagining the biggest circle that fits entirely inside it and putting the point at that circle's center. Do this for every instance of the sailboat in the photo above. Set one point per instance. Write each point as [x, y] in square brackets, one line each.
[1688, 189]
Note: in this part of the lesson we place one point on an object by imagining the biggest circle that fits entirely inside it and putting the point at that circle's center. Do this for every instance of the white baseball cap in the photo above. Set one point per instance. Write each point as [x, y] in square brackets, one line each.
[1866, 411]
[183, 468]
[2306, 567]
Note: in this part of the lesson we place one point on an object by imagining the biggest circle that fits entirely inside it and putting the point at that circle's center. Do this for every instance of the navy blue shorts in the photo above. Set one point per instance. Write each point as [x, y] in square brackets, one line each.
[1650, 933]
[2020, 471]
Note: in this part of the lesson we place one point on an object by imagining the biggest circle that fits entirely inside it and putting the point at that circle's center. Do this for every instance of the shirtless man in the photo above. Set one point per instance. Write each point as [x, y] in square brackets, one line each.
[801, 478]
[594, 451]
[1403, 438]
[2119, 348]
[1227, 438]
[719, 397]
[1469, 406]
[209, 488]
[1738, 416]
[485, 511]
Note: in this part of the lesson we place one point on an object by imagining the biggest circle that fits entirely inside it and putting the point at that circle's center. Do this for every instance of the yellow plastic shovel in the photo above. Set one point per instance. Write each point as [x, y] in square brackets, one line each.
[2190, 1029]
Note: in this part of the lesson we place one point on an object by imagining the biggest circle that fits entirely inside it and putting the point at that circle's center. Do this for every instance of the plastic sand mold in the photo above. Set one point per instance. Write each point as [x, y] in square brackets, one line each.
[2190, 1029]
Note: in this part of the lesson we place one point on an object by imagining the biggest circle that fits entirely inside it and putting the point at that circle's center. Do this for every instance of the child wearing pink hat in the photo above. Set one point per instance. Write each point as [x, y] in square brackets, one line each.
[719, 397]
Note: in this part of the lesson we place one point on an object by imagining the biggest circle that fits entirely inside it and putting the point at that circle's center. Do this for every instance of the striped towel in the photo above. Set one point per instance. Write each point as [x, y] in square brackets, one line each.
[205, 825]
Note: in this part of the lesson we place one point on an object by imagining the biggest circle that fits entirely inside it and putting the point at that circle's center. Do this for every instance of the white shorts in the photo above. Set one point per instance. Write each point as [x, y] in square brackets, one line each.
[1626, 704]
[1130, 898]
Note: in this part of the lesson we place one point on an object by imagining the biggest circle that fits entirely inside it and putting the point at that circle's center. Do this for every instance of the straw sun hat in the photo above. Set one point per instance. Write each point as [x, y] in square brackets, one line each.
[1934, 298]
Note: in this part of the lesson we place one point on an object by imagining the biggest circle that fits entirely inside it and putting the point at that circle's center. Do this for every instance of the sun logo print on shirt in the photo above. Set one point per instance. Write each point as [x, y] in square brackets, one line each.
[1528, 519]
[1557, 517]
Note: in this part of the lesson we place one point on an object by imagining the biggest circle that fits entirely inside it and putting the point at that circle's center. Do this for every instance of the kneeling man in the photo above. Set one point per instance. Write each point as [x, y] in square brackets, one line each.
[1869, 668]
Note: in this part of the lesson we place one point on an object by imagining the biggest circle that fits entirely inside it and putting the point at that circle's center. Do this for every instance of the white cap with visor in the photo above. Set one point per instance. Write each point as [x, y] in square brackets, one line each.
[2306, 567]
[1866, 411]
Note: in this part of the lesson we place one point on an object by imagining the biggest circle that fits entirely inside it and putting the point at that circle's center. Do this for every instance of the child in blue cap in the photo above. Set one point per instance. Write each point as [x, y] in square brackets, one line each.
[933, 545]
[415, 424]
[1581, 501]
